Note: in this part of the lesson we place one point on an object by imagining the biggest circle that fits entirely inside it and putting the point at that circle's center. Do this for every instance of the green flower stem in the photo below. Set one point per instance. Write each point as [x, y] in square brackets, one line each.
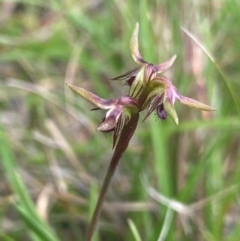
[125, 137]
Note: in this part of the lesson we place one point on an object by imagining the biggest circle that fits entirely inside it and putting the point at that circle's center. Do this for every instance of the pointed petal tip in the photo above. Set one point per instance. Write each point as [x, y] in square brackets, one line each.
[169, 108]
[91, 97]
[134, 48]
[74, 88]
[175, 118]
[68, 85]
[162, 67]
[71, 86]
[212, 109]
[99, 128]
[177, 122]
[196, 104]
[137, 25]
[173, 58]
[105, 127]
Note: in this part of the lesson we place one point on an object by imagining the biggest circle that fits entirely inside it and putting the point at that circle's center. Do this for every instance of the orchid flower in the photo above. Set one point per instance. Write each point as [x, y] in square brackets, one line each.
[119, 114]
[148, 89]
[151, 89]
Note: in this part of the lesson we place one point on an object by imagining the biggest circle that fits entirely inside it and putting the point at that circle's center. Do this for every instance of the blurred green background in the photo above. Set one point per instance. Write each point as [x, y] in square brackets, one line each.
[174, 182]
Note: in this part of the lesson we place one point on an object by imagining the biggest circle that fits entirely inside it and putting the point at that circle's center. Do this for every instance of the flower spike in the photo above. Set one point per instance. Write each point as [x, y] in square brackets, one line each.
[148, 89]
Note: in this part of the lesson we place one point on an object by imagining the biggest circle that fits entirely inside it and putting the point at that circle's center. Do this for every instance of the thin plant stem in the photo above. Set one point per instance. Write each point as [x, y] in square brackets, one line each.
[122, 144]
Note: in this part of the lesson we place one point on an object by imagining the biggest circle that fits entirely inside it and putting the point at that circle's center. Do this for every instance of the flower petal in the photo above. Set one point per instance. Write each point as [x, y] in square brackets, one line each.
[165, 65]
[194, 103]
[153, 105]
[123, 120]
[155, 87]
[94, 99]
[128, 75]
[150, 72]
[134, 47]
[107, 125]
[137, 84]
[161, 113]
[169, 108]
[111, 119]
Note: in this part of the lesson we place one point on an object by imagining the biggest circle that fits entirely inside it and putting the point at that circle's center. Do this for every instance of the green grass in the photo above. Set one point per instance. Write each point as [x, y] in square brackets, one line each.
[52, 159]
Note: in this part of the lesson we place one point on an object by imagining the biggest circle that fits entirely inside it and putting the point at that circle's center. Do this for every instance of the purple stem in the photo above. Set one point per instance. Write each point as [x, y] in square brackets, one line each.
[122, 144]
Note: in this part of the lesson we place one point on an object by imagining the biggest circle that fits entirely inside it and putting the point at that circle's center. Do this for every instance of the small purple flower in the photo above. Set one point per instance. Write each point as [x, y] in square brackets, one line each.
[118, 114]
[149, 89]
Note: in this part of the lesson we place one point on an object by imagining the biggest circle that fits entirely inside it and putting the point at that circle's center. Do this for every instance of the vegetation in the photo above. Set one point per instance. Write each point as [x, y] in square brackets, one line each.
[173, 182]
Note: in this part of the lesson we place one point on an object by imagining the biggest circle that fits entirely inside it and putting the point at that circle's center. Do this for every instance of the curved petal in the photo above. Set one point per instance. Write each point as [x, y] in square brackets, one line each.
[134, 47]
[194, 103]
[111, 119]
[107, 125]
[169, 108]
[165, 65]
[129, 103]
[161, 80]
[94, 99]
[128, 75]
[137, 84]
